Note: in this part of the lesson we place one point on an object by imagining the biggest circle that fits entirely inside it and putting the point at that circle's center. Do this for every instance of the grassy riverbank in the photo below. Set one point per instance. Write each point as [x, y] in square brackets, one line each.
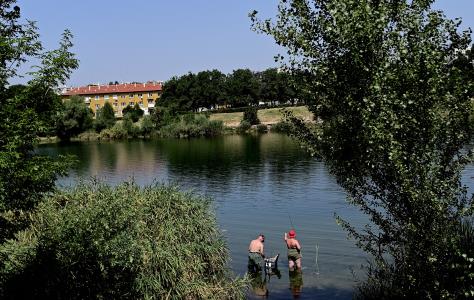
[267, 116]
[190, 125]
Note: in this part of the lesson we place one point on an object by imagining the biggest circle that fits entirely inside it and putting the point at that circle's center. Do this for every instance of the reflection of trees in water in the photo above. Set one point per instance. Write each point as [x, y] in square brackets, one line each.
[246, 159]
[119, 157]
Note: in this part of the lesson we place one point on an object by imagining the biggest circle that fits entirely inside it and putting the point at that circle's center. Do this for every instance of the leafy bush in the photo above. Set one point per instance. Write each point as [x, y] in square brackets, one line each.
[131, 129]
[262, 128]
[135, 112]
[100, 242]
[244, 126]
[88, 136]
[250, 115]
[118, 132]
[105, 118]
[188, 118]
[200, 126]
[161, 117]
[281, 127]
[146, 127]
[74, 118]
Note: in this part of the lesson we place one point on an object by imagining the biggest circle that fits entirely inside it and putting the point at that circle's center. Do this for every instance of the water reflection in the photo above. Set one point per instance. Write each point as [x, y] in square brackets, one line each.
[296, 282]
[258, 282]
[257, 183]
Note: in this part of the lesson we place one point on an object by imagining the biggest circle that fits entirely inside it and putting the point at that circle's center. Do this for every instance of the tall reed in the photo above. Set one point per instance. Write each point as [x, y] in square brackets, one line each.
[103, 242]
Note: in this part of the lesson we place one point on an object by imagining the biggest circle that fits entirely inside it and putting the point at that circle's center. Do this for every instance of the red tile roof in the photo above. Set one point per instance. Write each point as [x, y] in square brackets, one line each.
[115, 88]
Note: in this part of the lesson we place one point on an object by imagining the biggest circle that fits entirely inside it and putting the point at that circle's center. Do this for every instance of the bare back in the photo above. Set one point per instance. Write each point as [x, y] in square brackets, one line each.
[256, 246]
[293, 244]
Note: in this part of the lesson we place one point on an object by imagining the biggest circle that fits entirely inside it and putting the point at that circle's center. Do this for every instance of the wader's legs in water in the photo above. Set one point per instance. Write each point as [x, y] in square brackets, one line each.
[296, 282]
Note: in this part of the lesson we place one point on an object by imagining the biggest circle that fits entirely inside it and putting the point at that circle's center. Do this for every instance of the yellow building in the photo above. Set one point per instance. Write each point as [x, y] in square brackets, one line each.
[118, 95]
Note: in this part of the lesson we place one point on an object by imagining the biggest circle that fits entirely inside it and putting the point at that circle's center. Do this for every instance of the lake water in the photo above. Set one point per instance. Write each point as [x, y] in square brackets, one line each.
[260, 184]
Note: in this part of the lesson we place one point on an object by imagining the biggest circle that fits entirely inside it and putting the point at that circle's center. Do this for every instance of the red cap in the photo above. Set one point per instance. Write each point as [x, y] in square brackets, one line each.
[292, 233]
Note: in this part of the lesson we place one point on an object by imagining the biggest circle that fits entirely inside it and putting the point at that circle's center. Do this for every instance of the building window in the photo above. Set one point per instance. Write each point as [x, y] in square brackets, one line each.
[96, 97]
[97, 106]
[131, 103]
[124, 103]
[122, 96]
[106, 97]
[140, 103]
[115, 104]
[150, 101]
[115, 96]
[150, 94]
[131, 96]
[140, 95]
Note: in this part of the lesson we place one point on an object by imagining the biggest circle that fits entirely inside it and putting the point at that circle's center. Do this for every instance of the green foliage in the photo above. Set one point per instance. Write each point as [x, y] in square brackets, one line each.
[188, 118]
[250, 115]
[131, 129]
[244, 126]
[146, 127]
[186, 127]
[262, 128]
[161, 116]
[134, 112]
[276, 87]
[75, 118]
[105, 117]
[26, 112]
[213, 89]
[390, 82]
[13, 53]
[242, 88]
[125, 242]
[282, 127]
[177, 93]
[193, 91]
[117, 132]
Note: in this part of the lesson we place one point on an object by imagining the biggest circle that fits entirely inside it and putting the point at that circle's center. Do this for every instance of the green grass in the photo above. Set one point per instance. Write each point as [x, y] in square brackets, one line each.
[266, 116]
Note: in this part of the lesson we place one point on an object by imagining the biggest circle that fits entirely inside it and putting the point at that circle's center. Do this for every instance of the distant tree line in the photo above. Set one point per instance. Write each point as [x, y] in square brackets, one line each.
[214, 89]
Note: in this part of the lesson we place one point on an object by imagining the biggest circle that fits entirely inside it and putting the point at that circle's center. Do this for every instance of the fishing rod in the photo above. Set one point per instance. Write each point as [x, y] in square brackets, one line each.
[316, 264]
[291, 220]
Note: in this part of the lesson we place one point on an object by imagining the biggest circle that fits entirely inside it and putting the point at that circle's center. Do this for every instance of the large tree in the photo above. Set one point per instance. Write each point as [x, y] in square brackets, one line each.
[242, 88]
[74, 118]
[105, 117]
[209, 89]
[24, 175]
[388, 80]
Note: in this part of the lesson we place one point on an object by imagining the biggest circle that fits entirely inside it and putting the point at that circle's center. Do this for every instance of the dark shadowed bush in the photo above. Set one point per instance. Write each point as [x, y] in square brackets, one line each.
[262, 128]
[102, 242]
[281, 127]
[250, 115]
[244, 126]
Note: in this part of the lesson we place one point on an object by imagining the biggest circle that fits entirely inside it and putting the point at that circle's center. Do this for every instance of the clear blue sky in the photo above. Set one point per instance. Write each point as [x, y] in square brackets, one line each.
[156, 39]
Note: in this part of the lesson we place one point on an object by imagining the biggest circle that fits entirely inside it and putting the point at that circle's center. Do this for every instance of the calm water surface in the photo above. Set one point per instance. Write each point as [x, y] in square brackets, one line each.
[260, 184]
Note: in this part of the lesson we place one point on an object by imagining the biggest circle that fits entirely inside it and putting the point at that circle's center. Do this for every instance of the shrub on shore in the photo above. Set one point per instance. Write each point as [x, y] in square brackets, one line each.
[103, 242]
[281, 127]
[117, 132]
[250, 115]
[244, 126]
[262, 128]
[192, 126]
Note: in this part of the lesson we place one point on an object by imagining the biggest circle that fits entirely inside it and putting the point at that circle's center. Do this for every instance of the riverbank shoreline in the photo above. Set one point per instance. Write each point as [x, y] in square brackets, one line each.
[269, 118]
